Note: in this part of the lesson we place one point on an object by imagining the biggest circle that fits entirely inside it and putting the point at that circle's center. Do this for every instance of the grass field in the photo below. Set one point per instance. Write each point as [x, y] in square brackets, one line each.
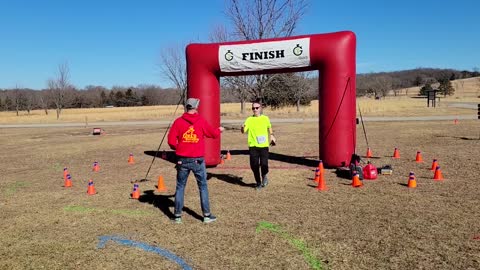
[401, 106]
[288, 225]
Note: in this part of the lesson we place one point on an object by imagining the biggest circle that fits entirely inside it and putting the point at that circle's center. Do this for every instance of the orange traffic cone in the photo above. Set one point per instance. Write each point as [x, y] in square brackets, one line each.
[419, 158]
[455, 121]
[130, 159]
[369, 153]
[161, 185]
[434, 165]
[438, 174]
[164, 155]
[229, 157]
[412, 180]
[91, 188]
[222, 161]
[321, 183]
[396, 153]
[68, 181]
[65, 173]
[317, 175]
[136, 192]
[356, 181]
[96, 167]
[320, 166]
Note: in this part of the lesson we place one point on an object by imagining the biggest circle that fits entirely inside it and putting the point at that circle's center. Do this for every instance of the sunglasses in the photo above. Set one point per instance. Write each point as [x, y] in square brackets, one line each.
[255, 108]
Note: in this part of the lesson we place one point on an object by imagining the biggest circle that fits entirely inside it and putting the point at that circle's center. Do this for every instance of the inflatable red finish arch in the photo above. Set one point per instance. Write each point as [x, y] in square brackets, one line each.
[332, 54]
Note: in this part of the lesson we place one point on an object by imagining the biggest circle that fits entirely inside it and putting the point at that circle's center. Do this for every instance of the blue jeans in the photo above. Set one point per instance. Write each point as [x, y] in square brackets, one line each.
[197, 166]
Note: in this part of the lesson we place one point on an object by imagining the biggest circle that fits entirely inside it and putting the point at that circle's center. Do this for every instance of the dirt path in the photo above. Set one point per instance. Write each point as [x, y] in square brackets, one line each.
[274, 120]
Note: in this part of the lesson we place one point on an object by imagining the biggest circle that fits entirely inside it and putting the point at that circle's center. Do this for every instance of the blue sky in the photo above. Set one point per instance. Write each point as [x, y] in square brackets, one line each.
[119, 42]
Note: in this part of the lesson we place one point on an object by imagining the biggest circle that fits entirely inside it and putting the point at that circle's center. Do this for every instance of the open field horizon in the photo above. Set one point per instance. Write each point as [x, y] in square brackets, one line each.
[388, 107]
[405, 104]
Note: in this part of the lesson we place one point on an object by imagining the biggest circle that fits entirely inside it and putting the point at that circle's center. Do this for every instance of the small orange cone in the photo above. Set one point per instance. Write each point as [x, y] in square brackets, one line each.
[455, 121]
[369, 153]
[412, 180]
[321, 183]
[136, 192]
[96, 167]
[434, 165]
[396, 153]
[317, 175]
[130, 159]
[91, 188]
[65, 173]
[356, 181]
[320, 166]
[164, 155]
[68, 181]
[438, 174]
[161, 185]
[419, 158]
[222, 161]
[229, 157]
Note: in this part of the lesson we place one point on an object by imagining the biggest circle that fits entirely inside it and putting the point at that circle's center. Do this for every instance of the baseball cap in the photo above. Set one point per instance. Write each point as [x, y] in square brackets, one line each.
[193, 103]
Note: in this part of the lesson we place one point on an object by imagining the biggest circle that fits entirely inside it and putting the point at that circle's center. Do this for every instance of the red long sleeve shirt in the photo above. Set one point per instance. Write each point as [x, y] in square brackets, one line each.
[187, 135]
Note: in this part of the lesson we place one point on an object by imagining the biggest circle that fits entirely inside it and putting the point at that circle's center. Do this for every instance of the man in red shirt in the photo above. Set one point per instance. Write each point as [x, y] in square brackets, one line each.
[187, 138]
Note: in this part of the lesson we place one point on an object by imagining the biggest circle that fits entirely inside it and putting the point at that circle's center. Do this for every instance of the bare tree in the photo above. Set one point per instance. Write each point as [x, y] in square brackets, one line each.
[29, 100]
[242, 87]
[260, 19]
[17, 99]
[381, 85]
[59, 87]
[43, 100]
[219, 34]
[174, 68]
[303, 88]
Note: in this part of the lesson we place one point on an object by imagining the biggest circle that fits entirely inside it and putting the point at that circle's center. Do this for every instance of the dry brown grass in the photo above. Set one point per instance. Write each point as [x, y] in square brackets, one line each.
[383, 225]
[91, 115]
[467, 90]
[391, 106]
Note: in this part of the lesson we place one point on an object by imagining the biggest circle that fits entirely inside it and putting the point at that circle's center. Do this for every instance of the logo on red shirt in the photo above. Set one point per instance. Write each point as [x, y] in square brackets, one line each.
[189, 136]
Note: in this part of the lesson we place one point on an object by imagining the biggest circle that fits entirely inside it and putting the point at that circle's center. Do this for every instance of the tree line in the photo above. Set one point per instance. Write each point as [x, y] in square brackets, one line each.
[383, 83]
[286, 90]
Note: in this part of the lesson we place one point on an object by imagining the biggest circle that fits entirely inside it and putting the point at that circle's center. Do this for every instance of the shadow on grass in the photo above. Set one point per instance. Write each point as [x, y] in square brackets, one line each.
[372, 157]
[312, 185]
[164, 203]
[459, 138]
[170, 156]
[231, 179]
[298, 160]
[281, 157]
[467, 139]
[165, 155]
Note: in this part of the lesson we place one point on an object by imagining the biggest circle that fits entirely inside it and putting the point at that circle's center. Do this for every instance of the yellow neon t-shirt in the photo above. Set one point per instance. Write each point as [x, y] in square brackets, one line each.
[257, 130]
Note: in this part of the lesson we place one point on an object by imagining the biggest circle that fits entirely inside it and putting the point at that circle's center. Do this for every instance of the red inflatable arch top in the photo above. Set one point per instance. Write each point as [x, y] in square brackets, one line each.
[332, 54]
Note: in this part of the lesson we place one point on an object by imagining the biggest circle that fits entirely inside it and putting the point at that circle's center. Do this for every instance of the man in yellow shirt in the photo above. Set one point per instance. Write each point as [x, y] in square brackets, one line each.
[260, 136]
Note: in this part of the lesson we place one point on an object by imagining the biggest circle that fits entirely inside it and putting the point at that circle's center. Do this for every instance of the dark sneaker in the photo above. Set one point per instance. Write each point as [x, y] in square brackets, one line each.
[265, 181]
[210, 218]
[177, 220]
